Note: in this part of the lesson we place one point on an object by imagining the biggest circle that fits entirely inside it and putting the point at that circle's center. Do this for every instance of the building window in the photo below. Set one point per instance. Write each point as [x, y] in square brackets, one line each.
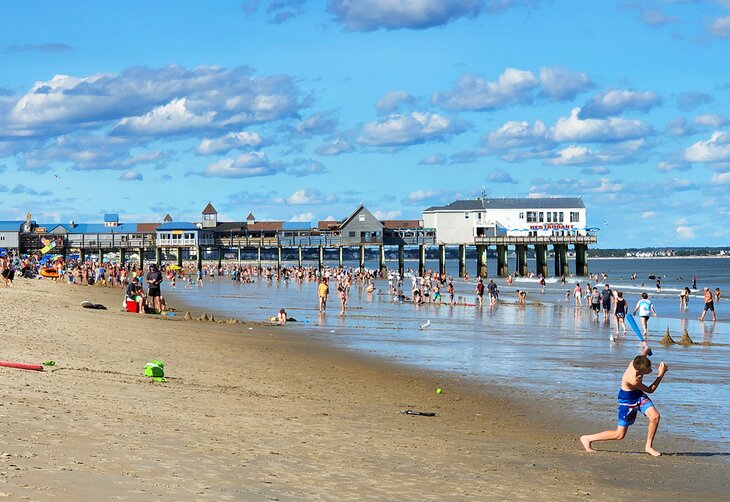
[531, 217]
[574, 217]
[555, 216]
[479, 216]
[352, 234]
[2, 237]
[542, 216]
[208, 217]
[466, 216]
[549, 216]
[361, 217]
[522, 216]
[561, 216]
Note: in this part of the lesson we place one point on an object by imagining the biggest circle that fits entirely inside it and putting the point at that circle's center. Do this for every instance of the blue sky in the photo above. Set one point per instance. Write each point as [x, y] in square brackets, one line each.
[301, 110]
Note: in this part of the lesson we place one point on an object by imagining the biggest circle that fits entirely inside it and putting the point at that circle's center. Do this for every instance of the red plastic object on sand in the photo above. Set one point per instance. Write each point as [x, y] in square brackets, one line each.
[22, 366]
[132, 306]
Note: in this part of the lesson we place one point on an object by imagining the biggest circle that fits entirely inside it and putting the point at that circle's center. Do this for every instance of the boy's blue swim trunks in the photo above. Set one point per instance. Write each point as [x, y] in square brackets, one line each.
[629, 403]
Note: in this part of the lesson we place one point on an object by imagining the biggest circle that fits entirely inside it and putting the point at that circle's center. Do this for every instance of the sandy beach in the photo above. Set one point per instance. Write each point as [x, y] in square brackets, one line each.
[257, 412]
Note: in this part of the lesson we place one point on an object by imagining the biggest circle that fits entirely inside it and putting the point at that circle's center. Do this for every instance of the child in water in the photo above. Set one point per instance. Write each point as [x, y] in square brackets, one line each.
[632, 398]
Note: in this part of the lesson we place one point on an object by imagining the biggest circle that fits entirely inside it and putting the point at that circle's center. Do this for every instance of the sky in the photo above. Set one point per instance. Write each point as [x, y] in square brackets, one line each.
[301, 110]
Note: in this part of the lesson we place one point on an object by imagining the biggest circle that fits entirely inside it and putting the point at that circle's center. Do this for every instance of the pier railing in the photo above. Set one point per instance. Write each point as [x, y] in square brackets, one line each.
[525, 240]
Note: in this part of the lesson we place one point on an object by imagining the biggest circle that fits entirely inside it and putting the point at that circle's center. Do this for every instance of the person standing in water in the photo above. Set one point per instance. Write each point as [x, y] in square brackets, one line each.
[645, 309]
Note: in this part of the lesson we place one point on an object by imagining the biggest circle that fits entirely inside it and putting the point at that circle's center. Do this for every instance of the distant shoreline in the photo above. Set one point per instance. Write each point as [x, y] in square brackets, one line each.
[656, 257]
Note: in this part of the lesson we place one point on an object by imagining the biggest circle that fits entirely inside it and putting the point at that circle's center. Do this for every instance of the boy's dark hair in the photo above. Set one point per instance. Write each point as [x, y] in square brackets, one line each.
[642, 364]
[644, 295]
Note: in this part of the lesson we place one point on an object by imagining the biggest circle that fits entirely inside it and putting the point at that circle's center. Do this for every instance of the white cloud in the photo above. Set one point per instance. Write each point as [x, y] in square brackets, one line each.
[335, 147]
[434, 159]
[212, 96]
[420, 196]
[575, 129]
[308, 168]
[618, 153]
[244, 166]
[615, 102]
[515, 134]
[712, 120]
[131, 175]
[319, 123]
[720, 178]
[307, 217]
[475, 94]
[387, 215]
[369, 15]
[171, 118]
[231, 141]
[685, 232]
[410, 129]
[307, 196]
[500, 176]
[649, 215]
[715, 149]
[720, 27]
[392, 100]
[562, 84]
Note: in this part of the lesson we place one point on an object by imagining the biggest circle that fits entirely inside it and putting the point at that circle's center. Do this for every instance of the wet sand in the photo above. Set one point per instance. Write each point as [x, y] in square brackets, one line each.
[269, 413]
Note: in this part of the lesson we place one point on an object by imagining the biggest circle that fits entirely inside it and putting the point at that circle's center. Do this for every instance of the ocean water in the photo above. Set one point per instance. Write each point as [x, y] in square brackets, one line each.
[548, 346]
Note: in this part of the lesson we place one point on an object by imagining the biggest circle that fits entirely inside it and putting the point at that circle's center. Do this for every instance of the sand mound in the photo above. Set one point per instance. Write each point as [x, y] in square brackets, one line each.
[188, 317]
[685, 340]
[203, 317]
[667, 339]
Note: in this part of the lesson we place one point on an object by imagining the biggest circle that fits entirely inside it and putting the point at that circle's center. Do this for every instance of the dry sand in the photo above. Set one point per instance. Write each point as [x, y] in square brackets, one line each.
[269, 414]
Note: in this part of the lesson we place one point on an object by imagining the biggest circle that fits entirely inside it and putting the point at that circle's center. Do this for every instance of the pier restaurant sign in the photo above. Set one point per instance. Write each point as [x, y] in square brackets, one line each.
[552, 226]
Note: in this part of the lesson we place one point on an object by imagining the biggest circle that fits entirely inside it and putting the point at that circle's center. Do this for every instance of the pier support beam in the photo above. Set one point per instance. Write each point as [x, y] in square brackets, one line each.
[421, 260]
[278, 259]
[541, 260]
[220, 259]
[239, 256]
[320, 258]
[462, 260]
[101, 256]
[522, 260]
[581, 259]
[258, 258]
[564, 266]
[340, 260]
[179, 257]
[502, 266]
[401, 259]
[199, 258]
[299, 256]
[557, 252]
[361, 261]
[482, 261]
[158, 256]
[382, 266]
[442, 259]
[82, 255]
[122, 257]
[141, 257]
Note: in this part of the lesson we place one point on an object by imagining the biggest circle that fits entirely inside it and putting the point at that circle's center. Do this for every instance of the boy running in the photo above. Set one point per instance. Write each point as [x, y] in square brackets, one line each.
[632, 398]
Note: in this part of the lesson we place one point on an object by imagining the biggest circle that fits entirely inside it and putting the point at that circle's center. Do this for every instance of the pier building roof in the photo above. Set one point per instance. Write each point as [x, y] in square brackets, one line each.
[10, 226]
[177, 225]
[511, 203]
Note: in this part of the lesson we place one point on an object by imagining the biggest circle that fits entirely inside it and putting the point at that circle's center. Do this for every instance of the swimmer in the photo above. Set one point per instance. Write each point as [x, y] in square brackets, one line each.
[282, 316]
[632, 398]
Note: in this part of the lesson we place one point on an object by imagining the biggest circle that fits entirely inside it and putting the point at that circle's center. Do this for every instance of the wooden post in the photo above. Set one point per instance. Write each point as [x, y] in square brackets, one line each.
[401, 259]
[421, 260]
[522, 260]
[502, 265]
[462, 260]
[442, 259]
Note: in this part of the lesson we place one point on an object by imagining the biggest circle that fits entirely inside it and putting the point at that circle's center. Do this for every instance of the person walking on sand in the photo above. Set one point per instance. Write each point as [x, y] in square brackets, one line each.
[342, 292]
[632, 398]
[480, 292]
[645, 309]
[619, 311]
[709, 305]
[323, 292]
[577, 293]
[606, 299]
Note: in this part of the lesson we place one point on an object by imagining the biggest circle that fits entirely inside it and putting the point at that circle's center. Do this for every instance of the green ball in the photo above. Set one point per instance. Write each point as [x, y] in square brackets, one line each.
[439, 391]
